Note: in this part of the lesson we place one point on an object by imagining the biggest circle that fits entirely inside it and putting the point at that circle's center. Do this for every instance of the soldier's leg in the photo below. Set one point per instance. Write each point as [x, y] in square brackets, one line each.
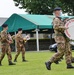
[56, 56]
[2, 54]
[59, 54]
[68, 56]
[23, 55]
[59, 59]
[72, 58]
[17, 54]
[8, 51]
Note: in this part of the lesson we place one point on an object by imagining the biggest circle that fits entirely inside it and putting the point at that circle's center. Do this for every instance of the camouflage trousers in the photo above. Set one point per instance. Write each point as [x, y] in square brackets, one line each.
[5, 49]
[20, 49]
[63, 49]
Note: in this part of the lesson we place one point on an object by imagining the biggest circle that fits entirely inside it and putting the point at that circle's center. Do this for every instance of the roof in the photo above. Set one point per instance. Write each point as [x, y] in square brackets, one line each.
[28, 22]
[2, 20]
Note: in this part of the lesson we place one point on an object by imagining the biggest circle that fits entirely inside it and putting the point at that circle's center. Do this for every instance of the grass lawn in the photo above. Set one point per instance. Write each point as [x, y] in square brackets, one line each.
[35, 65]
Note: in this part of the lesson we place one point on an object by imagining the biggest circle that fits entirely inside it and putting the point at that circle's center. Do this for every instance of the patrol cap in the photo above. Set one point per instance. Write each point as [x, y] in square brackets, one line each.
[57, 8]
[4, 25]
[19, 29]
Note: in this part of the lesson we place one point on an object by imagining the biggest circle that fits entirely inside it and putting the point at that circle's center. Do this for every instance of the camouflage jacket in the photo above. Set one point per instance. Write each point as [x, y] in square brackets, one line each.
[4, 37]
[19, 40]
[59, 29]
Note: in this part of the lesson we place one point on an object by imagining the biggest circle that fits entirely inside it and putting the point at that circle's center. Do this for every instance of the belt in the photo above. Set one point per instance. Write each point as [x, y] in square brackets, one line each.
[58, 34]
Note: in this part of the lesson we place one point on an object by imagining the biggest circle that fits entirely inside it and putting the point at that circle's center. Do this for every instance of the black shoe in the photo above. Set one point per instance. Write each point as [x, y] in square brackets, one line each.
[48, 65]
[72, 60]
[15, 60]
[69, 66]
[62, 58]
[0, 63]
[24, 61]
[56, 62]
[10, 63]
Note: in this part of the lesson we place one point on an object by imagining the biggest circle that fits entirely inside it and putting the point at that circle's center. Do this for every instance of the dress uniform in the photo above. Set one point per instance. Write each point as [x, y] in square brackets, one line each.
[20, 45]
[5, 45]
[63, 45]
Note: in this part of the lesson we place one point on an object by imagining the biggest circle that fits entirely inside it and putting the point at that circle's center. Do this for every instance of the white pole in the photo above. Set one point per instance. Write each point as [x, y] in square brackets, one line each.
[37, 39]
[15, 44]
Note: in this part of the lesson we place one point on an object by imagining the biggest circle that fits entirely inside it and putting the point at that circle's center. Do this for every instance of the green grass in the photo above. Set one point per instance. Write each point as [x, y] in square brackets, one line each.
[34, 66]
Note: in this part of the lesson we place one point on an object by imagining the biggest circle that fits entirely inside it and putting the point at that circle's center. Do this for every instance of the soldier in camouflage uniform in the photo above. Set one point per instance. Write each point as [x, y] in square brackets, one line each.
[67, 39]
[20, 45]
[5, 45]
[63, 45]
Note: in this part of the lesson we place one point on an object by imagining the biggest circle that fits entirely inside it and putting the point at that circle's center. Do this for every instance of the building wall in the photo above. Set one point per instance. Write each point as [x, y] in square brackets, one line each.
[2, 20]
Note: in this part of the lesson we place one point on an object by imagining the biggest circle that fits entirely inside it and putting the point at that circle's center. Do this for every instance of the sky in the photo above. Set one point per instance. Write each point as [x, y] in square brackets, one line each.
[7, 8]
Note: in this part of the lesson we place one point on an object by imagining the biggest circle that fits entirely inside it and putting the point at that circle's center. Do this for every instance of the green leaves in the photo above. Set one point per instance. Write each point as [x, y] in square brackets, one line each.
[45, 6]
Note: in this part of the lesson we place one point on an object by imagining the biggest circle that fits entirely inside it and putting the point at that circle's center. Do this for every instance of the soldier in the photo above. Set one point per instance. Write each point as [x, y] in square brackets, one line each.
[67, 39]
[5, 45]
[20, 45]
[63, 45]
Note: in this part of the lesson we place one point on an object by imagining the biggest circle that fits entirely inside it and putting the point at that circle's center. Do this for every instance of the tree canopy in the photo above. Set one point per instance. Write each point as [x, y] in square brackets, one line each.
[68, 6]
[45, 6]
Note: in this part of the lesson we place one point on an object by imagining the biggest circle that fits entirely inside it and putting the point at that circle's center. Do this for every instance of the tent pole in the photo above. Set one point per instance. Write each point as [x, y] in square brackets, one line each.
[37, 39]
[15, 44]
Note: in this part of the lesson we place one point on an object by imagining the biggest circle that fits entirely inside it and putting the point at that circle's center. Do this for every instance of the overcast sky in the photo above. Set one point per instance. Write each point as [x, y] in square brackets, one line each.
[7, 8]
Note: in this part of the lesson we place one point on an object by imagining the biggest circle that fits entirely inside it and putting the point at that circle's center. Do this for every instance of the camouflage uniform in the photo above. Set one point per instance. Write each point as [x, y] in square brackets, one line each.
[67, 41]
[62, 43]
[20, 46]
[5, 46]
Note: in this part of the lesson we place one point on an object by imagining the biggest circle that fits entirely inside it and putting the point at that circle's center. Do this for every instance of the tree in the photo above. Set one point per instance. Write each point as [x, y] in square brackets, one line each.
[38, 6]
[68, 6]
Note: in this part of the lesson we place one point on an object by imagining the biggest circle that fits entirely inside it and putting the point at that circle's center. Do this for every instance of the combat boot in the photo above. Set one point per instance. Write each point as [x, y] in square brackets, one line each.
[48, 65]
[15, 60]
[24, 60]
[10, 63]
[0, 63]
[56, 62]
[69, 66]
[72, 60]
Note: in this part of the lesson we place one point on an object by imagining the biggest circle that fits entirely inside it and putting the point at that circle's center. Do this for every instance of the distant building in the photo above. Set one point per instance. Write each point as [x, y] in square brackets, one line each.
[2, 20]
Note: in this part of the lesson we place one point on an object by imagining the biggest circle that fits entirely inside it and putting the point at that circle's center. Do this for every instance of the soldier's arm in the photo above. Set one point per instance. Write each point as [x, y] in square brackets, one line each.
[19, 39]
[25, 40]
[13, 37]
[57, 25]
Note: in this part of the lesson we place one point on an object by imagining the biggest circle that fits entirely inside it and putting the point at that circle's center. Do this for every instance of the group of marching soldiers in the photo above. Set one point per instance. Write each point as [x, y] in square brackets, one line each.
[6, 40]
[62, 41]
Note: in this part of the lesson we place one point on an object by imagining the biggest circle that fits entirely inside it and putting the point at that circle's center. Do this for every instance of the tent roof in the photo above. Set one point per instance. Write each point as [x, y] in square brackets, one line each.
[29, 22]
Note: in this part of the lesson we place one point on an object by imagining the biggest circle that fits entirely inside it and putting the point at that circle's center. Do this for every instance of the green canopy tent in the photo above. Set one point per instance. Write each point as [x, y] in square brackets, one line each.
[29, 22]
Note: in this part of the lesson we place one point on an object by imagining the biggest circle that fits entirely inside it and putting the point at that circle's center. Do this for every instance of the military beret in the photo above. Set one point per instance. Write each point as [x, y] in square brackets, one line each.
[19, 29]
[57, 8]
[4, 25]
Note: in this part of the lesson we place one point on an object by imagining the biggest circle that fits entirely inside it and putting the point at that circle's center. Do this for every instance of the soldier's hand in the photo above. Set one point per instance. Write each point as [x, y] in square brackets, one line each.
[20, 45]
[67, 28]
[10, 42]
